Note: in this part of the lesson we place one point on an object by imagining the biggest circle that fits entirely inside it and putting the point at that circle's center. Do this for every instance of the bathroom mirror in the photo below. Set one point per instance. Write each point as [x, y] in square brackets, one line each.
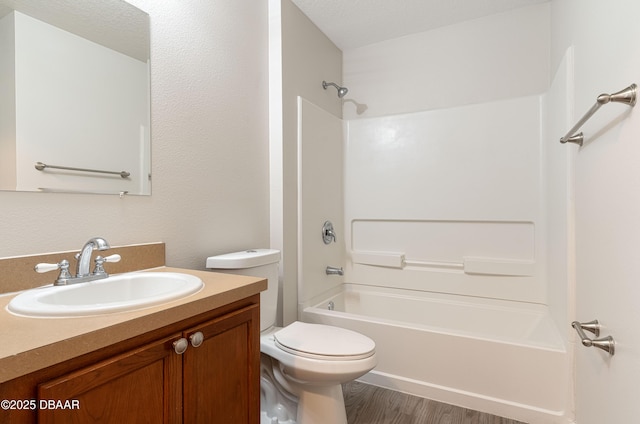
[74, 97]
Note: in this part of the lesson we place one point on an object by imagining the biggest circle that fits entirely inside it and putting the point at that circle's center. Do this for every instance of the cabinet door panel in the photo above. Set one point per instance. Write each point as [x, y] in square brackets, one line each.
[221, 377]
[138, 386]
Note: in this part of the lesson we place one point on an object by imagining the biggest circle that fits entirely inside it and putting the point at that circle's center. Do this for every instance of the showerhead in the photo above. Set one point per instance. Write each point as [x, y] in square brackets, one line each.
[341, 90]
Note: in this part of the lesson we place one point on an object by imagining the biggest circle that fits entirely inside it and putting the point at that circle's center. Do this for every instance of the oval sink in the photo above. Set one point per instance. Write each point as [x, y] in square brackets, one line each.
[125, 292]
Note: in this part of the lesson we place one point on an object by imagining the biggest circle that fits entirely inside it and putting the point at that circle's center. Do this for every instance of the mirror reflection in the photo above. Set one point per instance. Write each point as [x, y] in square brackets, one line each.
[74, 97]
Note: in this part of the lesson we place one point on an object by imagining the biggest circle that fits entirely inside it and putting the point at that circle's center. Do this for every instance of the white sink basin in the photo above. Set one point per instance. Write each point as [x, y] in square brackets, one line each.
[118, 293]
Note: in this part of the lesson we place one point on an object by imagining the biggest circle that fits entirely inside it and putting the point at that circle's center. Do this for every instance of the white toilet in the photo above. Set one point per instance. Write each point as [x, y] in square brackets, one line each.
[302, 365]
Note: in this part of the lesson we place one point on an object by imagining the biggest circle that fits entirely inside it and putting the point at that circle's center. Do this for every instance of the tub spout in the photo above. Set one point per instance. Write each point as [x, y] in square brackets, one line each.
[331, 270]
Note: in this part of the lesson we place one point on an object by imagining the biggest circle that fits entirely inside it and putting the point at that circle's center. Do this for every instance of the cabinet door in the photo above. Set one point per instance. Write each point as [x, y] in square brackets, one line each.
[140, 386]
[221, 381]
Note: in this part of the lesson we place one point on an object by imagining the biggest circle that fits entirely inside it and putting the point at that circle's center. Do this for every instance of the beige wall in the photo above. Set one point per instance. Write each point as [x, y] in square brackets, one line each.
[209, 147]
[308, 58]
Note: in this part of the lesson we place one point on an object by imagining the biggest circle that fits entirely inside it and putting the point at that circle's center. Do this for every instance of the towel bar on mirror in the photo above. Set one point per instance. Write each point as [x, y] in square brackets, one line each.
[42, 166]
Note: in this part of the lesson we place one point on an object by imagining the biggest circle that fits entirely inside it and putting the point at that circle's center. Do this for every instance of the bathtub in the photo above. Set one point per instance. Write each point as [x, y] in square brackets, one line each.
[493, 356]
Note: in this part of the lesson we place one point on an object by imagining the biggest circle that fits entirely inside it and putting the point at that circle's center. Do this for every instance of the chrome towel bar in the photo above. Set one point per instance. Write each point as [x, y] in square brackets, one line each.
[41, 166]
[626, 96]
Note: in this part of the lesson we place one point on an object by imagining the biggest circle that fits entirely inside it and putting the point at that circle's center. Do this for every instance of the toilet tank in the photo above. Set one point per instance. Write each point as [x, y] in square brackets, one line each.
[256, 263]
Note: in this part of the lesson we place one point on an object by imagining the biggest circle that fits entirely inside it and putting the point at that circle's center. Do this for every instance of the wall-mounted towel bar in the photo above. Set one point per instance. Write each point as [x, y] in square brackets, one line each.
[626, 96]
[41, 166]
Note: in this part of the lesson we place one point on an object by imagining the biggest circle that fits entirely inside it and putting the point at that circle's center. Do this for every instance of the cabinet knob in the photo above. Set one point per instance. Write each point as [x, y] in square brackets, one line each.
[180, 346]
[196, 339]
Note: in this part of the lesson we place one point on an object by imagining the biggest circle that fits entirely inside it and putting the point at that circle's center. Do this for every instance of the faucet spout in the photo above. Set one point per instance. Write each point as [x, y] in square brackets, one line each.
[332, 270]
[84, 257]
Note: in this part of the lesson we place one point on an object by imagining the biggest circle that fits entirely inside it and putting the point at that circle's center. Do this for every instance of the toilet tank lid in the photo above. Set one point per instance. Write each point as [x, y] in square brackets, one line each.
[245, 259]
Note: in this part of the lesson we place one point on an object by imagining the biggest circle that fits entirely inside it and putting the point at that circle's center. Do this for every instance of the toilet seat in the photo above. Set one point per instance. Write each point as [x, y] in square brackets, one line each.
[318, 341]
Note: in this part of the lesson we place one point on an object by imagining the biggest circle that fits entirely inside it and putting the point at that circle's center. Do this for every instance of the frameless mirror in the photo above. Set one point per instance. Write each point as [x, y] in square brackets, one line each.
[74, 97]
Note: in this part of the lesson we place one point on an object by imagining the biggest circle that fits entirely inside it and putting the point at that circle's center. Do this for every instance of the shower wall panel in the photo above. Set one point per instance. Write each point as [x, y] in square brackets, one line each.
[455, 193]
[320, 193]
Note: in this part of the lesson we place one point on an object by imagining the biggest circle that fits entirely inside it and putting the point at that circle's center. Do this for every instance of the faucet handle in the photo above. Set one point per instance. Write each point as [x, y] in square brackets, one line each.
[63, 266]
[328, 233]
[113, 258]
[99, 269]
[45, 267]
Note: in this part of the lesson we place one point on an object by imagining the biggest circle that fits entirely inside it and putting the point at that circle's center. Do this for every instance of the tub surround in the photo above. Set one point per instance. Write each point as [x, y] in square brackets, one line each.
[38, 343]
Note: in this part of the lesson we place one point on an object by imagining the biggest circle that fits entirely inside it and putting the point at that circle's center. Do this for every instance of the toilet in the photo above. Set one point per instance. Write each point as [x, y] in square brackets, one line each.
[302, 366]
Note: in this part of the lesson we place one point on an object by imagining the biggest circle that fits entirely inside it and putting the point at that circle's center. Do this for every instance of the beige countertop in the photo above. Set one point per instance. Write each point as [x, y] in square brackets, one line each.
[30, 344]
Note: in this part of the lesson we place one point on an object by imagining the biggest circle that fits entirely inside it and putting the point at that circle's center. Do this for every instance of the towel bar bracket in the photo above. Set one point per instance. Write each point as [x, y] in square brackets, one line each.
[577, 139]
[607, 344]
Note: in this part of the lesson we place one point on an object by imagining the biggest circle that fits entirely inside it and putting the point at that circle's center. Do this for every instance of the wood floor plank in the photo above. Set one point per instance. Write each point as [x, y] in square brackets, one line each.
[367, 404]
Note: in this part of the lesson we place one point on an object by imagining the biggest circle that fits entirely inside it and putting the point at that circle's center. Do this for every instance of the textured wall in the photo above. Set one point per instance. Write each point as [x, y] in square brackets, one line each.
[209, 147]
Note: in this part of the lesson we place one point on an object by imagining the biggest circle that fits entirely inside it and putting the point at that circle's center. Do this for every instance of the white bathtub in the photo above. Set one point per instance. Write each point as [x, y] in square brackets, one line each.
[494, 356]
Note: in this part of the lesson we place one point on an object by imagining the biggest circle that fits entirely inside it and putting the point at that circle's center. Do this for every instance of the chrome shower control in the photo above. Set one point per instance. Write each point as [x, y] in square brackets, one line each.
[328, 234]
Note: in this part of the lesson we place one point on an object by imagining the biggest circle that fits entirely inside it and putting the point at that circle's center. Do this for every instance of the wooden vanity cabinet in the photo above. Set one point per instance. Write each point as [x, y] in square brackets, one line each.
[140, 386]
[215, 380]
[221, 377]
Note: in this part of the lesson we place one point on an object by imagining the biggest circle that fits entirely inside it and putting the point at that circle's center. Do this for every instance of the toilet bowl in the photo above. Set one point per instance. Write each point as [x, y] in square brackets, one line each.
[311, 361]
[303, 366]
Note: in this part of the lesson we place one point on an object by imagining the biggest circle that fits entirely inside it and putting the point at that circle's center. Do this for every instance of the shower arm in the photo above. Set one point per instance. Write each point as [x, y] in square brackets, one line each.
[342, 91]
[326, 84]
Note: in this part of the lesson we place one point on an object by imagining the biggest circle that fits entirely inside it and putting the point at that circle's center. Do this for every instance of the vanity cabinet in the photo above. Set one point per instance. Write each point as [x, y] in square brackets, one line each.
[138, 386]
[214, 380]
[221, 377]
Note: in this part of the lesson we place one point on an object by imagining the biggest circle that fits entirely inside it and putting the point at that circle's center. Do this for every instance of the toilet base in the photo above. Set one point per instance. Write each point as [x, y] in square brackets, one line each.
[282, 400]
[321, 405]
[307, 388]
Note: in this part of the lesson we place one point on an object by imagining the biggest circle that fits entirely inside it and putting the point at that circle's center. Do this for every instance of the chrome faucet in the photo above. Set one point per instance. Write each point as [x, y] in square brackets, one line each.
[84, 257]
[331, 270]
[82, 269]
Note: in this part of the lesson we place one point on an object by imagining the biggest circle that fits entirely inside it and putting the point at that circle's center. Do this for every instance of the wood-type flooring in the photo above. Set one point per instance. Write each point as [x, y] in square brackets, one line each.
[367, 404]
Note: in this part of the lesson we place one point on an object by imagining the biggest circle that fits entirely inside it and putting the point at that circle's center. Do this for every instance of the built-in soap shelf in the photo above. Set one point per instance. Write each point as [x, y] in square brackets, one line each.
[469, 265]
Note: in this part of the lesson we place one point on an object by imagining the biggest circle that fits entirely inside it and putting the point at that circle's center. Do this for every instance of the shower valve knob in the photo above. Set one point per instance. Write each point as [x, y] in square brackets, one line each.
[328, 234]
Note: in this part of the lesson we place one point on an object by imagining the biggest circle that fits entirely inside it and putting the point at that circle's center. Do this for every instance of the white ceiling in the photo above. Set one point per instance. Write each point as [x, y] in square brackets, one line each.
[356, 23]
